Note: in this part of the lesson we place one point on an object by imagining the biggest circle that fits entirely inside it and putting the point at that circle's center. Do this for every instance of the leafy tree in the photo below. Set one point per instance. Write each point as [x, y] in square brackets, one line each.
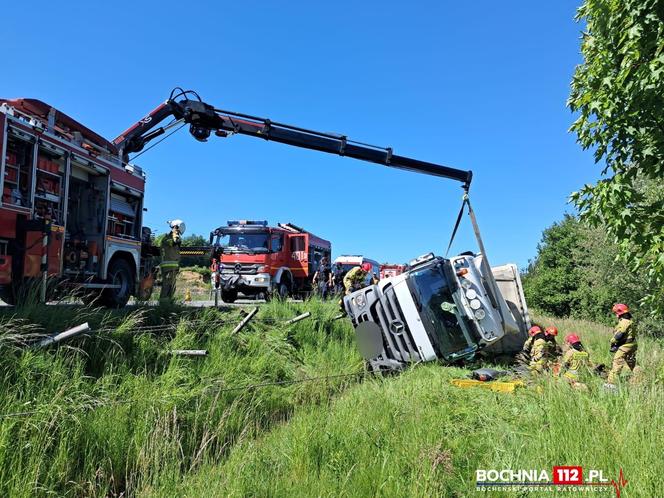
[618, 94]
[188, 241]
[552, 279]
[577, 273]
[194, 240]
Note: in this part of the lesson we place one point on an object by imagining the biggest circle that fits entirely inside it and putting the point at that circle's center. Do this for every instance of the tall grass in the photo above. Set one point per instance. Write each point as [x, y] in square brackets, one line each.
[115, 413]
[418, 435]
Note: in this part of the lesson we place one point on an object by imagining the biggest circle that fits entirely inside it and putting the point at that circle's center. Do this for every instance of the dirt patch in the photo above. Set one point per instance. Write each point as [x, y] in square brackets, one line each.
[190, 279]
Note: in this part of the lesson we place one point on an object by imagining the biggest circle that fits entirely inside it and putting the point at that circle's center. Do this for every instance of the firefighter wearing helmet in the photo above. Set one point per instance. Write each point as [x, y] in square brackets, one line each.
[575, 365]
[355, 279]
[539, 358]
[623, 344]
[170, 259]
[524, 356]
[550, 334]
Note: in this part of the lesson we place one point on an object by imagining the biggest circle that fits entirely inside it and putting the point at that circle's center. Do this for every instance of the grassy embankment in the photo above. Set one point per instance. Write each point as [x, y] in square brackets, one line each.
[417, 435]
[119, 414]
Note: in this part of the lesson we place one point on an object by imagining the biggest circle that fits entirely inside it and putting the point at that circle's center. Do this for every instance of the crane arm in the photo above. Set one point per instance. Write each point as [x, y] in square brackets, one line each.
[203, 119]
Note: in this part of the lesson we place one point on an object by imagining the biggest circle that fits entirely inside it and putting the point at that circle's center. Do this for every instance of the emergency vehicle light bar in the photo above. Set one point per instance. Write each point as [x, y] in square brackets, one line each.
[234, 223]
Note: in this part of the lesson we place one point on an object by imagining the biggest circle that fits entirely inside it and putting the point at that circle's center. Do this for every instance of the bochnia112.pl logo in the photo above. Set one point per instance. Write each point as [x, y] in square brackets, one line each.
[562, 477]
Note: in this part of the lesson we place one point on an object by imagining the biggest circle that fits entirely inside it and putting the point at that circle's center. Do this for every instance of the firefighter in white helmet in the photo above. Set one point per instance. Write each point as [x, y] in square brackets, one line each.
[170, 259]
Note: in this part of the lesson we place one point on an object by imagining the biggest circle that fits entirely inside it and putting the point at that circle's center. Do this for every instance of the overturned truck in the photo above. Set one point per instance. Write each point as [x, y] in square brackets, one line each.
[440, 309]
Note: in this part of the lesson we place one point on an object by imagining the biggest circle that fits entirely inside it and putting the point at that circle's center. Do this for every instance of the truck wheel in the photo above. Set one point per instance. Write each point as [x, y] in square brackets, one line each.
[119, 273]
[282, 290]
[228, 296]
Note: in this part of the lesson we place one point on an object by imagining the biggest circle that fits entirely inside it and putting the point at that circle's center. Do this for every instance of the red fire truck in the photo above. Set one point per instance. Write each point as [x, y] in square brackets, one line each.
[258, 260]
[70, 208]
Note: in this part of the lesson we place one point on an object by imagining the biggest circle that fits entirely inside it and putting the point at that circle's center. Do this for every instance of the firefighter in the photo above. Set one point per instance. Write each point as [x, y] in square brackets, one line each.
[575, 365]
[550, 334]
[524, 356]
[623, 344]
[539, 358]
[322, 277]
[170, 260]
[356, 278]
[353, 280]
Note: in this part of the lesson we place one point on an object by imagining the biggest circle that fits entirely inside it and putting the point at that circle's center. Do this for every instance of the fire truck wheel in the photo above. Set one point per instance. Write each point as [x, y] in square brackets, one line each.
[119, 273]
[228, 296]
[282, 290]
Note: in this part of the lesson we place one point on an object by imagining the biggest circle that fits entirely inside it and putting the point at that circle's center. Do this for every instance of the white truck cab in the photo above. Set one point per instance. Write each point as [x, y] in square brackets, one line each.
[440, 309]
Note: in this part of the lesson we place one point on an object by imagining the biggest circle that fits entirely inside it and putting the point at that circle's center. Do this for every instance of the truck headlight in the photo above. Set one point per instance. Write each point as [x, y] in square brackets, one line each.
[466, 284]
[475, 304]
[360, 301]
[480, 314]
[471, 294]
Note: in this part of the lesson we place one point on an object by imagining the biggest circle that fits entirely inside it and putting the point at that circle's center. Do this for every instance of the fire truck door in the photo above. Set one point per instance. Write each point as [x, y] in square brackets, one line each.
[278, 257]
[298, 255]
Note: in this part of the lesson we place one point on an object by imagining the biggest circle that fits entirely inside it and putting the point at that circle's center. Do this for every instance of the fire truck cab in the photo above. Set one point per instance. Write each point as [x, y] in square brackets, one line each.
[258, 260]
[70, 208]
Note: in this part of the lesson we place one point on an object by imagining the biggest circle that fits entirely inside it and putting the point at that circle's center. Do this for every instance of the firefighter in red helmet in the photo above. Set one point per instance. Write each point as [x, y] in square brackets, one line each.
[623, 344]
[550, 334]
[524, 356]
[355, 279]
[575, 365]
[539, 358]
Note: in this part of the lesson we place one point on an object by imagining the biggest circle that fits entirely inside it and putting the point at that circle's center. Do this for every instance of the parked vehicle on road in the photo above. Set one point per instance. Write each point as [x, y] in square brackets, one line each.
[258, 260]
[70, 210]
[389, 270]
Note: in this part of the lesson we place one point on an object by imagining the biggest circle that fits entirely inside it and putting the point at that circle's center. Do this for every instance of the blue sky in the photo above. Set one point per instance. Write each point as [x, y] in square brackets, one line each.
[474, 85]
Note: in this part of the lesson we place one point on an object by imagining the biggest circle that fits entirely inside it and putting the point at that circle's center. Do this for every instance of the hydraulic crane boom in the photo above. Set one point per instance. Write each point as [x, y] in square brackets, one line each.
[203, 119]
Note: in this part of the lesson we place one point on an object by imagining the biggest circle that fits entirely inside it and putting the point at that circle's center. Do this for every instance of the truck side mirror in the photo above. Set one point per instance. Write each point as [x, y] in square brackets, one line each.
[211, 237]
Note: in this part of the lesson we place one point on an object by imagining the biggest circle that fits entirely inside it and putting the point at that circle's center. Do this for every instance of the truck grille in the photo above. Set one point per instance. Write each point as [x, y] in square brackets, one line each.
[240, 268]
[398, 342]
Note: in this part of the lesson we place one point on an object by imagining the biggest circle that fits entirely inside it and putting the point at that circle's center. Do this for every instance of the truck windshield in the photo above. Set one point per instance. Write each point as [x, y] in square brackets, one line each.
[440, 316]
[240, 242]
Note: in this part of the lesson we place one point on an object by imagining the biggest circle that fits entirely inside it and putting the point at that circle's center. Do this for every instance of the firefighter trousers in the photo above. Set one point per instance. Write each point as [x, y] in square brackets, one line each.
[623, 359]
[168, 285]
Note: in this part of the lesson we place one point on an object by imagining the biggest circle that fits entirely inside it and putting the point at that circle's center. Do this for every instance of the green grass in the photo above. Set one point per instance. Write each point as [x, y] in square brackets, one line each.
[417, 435]
[115, 413]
